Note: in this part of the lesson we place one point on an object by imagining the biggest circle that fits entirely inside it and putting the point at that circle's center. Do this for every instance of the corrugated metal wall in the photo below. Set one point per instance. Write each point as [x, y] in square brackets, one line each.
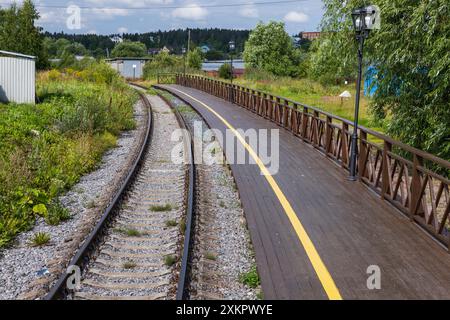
[17, 80]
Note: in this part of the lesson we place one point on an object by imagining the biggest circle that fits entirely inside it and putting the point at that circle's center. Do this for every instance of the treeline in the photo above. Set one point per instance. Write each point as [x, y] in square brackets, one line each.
[216, 39]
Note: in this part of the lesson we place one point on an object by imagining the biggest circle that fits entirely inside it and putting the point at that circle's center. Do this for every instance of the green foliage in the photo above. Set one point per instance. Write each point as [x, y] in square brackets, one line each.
[225, 71]
[214, 55]
[412, 56]
[18, 32]
[170, 260]
[40, 239]
[161, 208]
[129, 49]
[270, 48]
[195, 59]
[251, 278]
[46, 148]
[163, 63]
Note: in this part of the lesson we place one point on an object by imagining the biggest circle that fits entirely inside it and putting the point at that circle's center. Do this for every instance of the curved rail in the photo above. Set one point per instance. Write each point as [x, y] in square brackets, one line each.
[82, 256]
[184, 272]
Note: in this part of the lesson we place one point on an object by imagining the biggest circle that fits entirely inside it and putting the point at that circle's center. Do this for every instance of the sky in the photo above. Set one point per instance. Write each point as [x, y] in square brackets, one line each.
[139, 16]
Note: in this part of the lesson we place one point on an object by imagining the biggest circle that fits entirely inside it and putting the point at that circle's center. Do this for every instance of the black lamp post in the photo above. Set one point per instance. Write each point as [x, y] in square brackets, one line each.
[363, 22]
[232, 48]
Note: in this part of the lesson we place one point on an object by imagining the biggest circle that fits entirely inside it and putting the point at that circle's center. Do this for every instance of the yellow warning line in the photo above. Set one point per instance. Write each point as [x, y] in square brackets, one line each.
[321, 270]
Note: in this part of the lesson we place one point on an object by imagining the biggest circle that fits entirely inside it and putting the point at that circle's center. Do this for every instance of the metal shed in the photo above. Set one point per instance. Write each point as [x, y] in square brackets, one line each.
[129, 67]
[17, 77]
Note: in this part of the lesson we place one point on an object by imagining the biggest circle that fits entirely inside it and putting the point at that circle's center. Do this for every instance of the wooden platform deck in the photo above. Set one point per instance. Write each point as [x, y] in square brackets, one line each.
[349, 226]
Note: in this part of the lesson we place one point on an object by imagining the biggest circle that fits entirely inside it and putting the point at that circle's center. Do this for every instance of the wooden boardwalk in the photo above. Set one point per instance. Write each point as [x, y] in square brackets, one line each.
[349, 226]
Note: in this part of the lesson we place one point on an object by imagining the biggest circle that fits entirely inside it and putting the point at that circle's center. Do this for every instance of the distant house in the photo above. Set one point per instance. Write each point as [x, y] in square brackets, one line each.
[155, 51]
[205, 49]
[129, 68]
[116, 39]
[310, 35]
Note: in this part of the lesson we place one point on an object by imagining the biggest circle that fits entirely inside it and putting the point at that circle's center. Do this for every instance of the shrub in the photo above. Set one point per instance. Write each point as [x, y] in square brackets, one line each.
[225, 71]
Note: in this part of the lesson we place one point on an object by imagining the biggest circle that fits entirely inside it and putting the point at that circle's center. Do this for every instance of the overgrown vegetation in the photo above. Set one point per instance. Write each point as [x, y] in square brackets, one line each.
[161, 208]
[40, 239]
[170, 260]
[46, 148]
[251, 278]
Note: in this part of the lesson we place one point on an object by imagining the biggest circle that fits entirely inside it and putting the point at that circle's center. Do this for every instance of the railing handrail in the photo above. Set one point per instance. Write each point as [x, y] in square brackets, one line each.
[423, 154]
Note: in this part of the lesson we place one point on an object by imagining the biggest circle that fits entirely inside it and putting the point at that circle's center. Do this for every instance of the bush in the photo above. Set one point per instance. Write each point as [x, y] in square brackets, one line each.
[46, 148]
[225, 71]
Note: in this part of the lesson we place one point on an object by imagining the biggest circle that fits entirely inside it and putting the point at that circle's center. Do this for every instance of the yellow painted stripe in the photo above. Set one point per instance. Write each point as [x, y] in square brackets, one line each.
[321, 270]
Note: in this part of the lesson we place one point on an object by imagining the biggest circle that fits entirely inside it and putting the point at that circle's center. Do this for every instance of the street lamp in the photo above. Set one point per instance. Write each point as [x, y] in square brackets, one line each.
[364, 20]
[232, 48]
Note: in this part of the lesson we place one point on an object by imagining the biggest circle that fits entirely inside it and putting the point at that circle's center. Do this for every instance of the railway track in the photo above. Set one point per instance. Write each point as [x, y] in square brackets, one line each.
[140, 247]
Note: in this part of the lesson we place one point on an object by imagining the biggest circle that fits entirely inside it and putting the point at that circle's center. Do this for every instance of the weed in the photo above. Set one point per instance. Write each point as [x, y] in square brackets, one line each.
[183, 226]
[171, 223]
[40, 239]
[161, 208]
[222, 204]
[211, 256]
[251, 278]
[129, 265]
[260, 295]
[170, 260]
[130, 232]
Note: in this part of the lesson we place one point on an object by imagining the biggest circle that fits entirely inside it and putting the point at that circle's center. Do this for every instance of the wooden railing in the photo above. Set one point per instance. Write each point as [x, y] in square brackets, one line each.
[399, 173]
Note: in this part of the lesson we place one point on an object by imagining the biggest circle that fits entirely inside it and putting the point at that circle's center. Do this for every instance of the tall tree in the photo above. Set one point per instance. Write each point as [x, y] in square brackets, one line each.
[128, 49]
[18, 32]
[411, 53]
[270, 48]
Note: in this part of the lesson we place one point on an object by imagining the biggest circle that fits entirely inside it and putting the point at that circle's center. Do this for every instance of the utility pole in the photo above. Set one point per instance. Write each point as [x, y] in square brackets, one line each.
[189, 41]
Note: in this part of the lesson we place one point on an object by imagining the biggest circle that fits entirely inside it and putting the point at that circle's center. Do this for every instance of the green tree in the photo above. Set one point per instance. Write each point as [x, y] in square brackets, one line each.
[411, 53]
[19, 34]
[129, 49]
[195, 59]
[270, 48]
[163, 63]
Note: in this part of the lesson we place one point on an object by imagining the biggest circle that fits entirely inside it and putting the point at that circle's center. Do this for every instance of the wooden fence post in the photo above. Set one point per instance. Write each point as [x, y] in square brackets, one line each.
[385, 183]
[362, 157]
[416, 188]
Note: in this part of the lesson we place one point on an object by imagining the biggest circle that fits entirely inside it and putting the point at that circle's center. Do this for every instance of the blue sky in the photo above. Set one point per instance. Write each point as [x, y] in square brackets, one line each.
[118, 16]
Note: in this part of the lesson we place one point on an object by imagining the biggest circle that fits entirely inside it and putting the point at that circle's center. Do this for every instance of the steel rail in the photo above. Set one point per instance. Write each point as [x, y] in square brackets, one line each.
[183, 280]
[81, 258]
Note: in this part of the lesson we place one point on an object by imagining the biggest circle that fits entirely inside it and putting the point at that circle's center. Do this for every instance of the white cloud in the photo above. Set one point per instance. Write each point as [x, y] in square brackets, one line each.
[296, 16]
[122, 30]
[190, 12]
[249, 11]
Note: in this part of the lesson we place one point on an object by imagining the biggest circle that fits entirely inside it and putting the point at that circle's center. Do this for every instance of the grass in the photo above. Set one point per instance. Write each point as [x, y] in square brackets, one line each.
[161, 208]
[260, 295]
[251, 278]
[171, 223]
[129, 265]
[183, 226]
[222, 204]
[130, 232]
[211, 256]
[170, 260]
[314, 94]
[40, 239]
